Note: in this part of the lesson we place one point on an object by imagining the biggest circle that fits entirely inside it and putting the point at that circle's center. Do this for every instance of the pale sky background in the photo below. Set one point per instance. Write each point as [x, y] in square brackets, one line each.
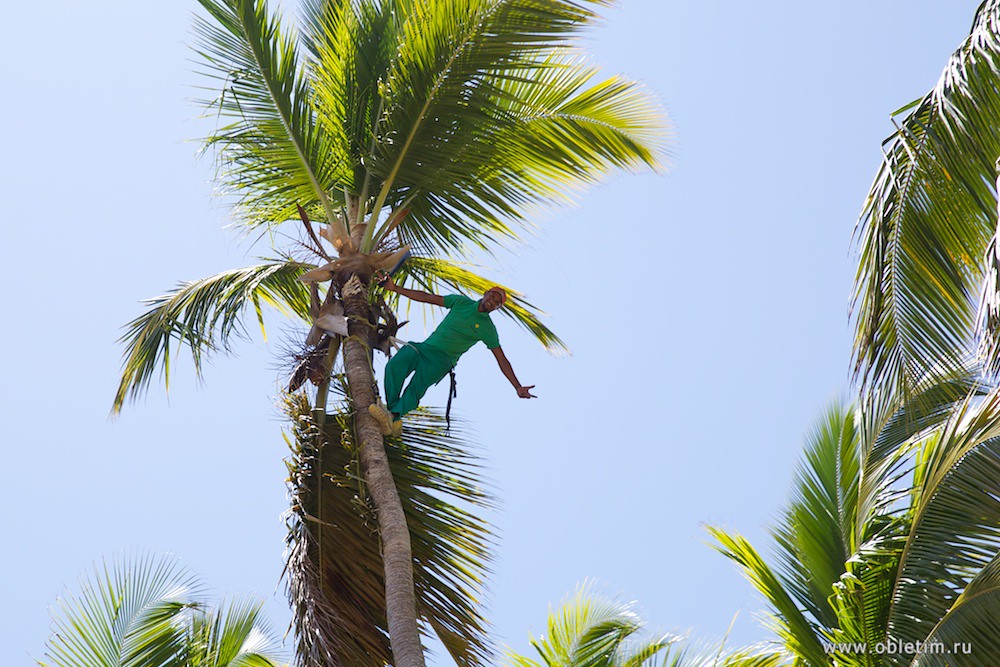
[707, 310]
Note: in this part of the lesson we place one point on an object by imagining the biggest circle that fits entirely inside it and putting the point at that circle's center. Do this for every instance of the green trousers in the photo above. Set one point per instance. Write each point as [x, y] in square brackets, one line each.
[428, 366]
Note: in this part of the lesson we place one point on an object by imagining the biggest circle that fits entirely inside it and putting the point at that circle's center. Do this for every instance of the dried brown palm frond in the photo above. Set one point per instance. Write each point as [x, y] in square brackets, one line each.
[334, 566]
[311, 364]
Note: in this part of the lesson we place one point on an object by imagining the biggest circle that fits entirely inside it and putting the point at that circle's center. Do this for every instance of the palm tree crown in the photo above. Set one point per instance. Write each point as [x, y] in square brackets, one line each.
[891, 538]
[147, 612]
[591, 630]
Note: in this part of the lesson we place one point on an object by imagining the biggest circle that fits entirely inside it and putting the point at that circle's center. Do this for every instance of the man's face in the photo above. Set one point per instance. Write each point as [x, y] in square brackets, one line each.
[491, 301]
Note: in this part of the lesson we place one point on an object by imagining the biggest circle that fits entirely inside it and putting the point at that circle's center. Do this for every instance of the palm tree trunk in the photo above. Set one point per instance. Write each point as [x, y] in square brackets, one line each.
[401, 608]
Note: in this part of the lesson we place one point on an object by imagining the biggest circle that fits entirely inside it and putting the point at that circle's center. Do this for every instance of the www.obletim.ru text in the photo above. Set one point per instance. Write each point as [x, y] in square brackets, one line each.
[894, 647]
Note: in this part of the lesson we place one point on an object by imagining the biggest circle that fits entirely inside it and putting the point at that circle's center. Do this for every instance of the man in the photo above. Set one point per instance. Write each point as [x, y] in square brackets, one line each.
[467, 322]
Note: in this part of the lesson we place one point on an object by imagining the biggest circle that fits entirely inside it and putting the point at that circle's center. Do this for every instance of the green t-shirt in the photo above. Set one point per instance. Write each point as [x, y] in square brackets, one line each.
[462, 327]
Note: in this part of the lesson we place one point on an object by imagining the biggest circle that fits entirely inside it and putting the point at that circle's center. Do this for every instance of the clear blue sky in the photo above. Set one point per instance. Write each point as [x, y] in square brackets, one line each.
[707, 310]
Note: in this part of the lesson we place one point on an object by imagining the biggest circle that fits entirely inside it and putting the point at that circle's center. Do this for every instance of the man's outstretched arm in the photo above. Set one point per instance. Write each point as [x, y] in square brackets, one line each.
[413, 294]
[522, 391]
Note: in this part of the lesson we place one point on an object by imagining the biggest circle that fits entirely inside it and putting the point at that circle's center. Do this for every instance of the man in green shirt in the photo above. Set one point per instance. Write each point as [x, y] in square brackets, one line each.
[467, 323]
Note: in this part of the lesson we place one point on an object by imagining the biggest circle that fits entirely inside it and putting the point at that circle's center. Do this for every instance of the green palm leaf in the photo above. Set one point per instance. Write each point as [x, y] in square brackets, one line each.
[273, 155]
[549, 130]
[927, 221]
[442, 85]
[956, 520]
[969, 634]
[817, 535]
[204, 315]
[757, 656]
[593, 631]
[232, 636]
[146, 612]
[797, 632]
[888, 420]
[125, 616]
[352, 45]
[569, 128]
[590, 630]
[838, 542]
[335, 567]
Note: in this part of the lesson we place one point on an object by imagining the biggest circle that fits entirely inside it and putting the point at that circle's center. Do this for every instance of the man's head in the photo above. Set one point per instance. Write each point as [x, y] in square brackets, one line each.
[492, 299]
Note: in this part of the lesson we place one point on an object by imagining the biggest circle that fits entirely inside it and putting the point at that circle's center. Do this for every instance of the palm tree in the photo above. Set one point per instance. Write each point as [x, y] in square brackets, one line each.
[928, 222]
[889, 550]
[589, 630]
[428, 126]
[146, 612]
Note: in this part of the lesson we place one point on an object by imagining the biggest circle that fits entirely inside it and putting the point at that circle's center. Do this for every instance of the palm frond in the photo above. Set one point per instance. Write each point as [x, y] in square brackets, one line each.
[840, 543]
[817, 534]
[956, 520]
[969, 634]
[568, 126]
[549, 130]
[878, 472]
[233, 635]
[893, 430]
[147, 612]
[888, 420]
[443, 84]
[430, 274]
[204, 315]
[755, 656]
[590, 630]
[927, 221]
[798, 634]
[715, 654]
[126, 615]
[273, 154]
[335, 570]
[861, 600]
[352, 46]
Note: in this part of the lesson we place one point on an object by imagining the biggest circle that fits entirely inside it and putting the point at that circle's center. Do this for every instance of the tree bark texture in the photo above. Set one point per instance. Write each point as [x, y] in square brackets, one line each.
[401, 608]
